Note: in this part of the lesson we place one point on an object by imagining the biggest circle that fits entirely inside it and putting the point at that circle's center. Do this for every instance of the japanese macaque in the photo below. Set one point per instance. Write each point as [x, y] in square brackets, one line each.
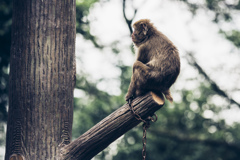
[157, 64]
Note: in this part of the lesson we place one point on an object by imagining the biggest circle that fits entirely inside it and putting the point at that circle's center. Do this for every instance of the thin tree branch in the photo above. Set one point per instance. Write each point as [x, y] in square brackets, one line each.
[128, 21]
[192, 61]
[112, 127]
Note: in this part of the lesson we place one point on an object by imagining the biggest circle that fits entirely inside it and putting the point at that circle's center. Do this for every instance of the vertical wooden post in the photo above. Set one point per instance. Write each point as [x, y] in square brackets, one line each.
[42, 78]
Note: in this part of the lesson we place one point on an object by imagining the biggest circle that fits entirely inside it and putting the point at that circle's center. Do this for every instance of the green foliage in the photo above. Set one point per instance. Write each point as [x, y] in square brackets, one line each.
[93, 106]
[233, 36]
[220, 8]
[82, 23]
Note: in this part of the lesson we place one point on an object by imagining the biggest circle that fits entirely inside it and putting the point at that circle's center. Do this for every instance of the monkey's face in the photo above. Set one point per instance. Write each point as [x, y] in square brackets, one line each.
[140, 32]
[138, 35]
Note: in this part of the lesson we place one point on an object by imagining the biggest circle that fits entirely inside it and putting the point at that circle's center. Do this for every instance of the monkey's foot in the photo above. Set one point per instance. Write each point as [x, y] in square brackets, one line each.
[129, 97]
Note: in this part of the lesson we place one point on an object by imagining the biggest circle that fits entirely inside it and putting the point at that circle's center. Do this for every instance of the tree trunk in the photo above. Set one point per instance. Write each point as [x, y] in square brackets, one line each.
[42, 78]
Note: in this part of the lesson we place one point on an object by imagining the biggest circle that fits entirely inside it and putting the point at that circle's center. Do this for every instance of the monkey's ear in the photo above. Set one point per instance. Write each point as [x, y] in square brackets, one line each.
[145, 28]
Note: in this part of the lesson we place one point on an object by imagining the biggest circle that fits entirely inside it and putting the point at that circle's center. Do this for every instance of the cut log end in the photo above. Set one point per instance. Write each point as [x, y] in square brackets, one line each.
[158, 98]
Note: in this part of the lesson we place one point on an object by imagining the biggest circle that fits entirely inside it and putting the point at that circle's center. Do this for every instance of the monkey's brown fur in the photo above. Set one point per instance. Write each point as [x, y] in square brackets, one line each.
[157, 65]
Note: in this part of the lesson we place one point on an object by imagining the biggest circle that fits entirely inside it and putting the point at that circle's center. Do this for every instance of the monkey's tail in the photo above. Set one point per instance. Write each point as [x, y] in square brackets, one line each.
[168, 95]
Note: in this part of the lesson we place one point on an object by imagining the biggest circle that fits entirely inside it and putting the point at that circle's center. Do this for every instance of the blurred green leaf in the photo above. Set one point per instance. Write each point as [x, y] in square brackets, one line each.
[233, 36]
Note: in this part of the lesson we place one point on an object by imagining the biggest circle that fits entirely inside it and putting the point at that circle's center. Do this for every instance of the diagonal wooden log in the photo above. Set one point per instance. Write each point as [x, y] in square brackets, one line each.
[112, 127]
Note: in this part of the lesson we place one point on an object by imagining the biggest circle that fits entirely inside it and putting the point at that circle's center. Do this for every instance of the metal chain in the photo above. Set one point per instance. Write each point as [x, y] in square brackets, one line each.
[146, 125]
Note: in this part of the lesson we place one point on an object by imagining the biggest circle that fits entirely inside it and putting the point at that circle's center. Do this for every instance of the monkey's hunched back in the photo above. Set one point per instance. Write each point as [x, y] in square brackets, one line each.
[167, 57]
[158, 64]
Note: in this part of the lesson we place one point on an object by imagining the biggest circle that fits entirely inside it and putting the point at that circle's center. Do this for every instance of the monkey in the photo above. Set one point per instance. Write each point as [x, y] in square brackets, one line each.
[157, 64]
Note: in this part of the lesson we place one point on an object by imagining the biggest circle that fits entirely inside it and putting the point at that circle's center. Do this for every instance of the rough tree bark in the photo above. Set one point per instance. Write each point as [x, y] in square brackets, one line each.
[42, 70]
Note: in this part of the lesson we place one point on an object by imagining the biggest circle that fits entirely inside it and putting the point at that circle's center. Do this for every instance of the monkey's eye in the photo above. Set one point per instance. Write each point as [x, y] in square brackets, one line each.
[135, 32]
